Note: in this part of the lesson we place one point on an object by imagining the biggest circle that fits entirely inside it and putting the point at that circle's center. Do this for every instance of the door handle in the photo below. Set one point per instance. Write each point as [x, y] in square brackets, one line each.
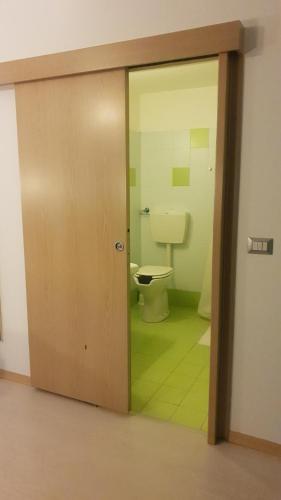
[119, 246]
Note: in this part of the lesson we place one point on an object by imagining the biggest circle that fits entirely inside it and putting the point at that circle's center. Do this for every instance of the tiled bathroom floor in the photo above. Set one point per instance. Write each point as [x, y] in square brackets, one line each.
[169, 369]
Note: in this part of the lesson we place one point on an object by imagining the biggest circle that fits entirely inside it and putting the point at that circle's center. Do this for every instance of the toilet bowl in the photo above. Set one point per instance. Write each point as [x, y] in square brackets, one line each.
[152, 283]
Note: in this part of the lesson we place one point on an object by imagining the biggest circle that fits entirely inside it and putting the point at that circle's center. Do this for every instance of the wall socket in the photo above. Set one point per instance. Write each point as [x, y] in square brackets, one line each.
[262, 246]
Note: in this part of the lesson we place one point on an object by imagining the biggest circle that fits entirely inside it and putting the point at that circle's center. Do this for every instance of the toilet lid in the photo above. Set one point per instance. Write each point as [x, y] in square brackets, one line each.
[155, 271]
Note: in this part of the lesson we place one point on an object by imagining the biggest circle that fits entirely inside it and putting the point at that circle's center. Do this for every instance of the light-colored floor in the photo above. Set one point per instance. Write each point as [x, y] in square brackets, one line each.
[169, 369]
[53, 448]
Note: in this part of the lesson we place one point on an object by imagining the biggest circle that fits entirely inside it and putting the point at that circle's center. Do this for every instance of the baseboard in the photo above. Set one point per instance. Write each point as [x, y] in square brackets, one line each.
[15, 377]
[255, 443]
[184, 298]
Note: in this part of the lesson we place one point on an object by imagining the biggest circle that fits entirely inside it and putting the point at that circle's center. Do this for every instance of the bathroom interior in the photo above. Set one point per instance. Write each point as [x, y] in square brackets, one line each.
[172, 131]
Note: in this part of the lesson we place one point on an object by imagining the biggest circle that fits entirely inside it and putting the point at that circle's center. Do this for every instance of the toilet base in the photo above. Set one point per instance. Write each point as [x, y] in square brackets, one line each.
[155, 309]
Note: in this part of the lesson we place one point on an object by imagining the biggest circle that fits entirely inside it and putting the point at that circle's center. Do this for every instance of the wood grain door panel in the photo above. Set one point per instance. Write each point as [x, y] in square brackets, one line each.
[72, 147]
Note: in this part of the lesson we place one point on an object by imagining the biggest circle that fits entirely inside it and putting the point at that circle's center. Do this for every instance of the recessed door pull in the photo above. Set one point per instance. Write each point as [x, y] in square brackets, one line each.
[119, 246]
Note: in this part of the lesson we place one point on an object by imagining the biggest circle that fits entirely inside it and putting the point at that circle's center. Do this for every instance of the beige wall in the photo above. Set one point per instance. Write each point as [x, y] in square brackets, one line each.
[37, 27]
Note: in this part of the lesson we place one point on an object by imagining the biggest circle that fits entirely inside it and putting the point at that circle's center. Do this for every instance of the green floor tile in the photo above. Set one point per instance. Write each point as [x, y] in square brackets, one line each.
[194, 419]
[173, 395]
[196, 400]
[154, 375]
[142, 391]
[136, 404]
[164, 363]
[159, 409]
[169, 370]
[199, 355]
[141, 363]
[187, 369]
[201, 385]
[205, 374]
[174, 354]
[180, 381]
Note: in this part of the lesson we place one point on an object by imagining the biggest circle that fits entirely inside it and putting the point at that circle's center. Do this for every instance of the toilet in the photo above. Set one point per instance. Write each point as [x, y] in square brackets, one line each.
[152, 283]
[168, 227]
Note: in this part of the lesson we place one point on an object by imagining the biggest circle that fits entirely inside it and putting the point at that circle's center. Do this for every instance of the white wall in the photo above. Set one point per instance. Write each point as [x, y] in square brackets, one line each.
[14, 354]
[38, 26]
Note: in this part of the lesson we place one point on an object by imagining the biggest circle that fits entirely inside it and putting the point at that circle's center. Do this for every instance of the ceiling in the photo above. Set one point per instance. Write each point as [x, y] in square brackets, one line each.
[174, 76]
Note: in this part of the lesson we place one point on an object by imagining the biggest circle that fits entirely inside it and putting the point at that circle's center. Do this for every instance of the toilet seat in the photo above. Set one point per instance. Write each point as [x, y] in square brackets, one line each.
[155, 272]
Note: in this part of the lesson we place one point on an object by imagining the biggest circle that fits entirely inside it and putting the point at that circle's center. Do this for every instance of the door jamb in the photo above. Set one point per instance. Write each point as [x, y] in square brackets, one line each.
[228, 161]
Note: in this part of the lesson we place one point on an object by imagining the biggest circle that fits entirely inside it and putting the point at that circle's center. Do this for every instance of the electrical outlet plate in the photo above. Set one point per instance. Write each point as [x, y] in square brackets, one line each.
[262, 246]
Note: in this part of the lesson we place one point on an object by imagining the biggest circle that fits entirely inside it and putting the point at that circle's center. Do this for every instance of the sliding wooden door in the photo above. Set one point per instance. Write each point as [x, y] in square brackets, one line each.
[72, 147]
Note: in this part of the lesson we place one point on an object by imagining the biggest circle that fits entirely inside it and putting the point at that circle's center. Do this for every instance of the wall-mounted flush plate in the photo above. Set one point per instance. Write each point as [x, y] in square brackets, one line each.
[263, 246]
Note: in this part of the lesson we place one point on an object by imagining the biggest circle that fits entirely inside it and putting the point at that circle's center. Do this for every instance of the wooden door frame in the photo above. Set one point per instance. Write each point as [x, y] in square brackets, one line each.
[229, 117]
[225, 42]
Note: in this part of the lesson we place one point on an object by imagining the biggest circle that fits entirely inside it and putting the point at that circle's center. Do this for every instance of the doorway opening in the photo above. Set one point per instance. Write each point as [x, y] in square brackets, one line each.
[172, 155]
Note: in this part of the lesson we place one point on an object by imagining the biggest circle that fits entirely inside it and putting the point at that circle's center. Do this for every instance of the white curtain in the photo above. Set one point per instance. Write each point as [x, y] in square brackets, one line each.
[204, 307]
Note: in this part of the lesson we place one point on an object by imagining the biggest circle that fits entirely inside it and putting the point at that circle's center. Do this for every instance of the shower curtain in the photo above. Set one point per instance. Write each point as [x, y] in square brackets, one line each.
[204, 307]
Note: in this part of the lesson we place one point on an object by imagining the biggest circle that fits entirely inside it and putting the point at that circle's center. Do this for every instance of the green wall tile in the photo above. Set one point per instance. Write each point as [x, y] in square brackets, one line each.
[180, 176]
[199, 137]
[133, 177]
